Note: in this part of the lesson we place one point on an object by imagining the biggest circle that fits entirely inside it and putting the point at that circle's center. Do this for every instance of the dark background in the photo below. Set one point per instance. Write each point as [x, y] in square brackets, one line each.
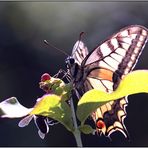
[24, 58]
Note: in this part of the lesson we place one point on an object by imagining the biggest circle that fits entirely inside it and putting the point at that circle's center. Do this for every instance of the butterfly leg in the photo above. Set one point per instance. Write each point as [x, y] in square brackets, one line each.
[65, 74]
[58, 73]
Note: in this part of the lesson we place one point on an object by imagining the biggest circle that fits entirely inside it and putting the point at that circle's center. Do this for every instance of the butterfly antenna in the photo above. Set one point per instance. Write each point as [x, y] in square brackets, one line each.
[49, 44]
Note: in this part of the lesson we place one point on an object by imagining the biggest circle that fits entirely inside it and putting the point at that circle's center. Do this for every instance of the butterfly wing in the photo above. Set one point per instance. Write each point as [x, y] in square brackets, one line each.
[120, 51]
[79, 52]
[107, 64]
[113, 59]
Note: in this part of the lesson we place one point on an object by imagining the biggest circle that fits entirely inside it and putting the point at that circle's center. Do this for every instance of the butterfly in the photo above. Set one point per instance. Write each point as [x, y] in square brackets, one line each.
[103, 68]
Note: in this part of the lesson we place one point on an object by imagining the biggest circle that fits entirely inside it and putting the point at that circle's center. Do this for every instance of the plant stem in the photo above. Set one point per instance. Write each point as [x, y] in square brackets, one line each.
[76, 133]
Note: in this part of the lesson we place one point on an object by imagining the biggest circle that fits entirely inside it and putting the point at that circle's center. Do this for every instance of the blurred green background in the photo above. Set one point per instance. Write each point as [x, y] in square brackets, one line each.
[24, 58]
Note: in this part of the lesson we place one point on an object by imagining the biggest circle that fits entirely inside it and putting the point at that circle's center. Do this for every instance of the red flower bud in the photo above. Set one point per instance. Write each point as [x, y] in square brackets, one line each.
[45, 77]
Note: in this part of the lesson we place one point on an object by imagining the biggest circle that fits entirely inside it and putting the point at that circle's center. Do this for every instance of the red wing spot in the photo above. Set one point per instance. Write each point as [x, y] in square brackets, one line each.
[45, 77]
[100, 124]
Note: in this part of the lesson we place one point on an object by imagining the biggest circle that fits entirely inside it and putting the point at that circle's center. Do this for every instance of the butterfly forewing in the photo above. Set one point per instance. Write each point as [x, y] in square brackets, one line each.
[79, 52]
[104, 67]
[120, 51]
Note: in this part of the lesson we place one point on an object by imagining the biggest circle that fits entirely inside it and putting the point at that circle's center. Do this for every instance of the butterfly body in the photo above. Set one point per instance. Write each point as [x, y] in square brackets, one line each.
[103, 68]
[78, 75]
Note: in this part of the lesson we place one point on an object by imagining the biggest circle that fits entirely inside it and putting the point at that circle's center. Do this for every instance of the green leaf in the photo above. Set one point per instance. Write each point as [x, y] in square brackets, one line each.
[86, 129]
[133, 83]
[54, 107]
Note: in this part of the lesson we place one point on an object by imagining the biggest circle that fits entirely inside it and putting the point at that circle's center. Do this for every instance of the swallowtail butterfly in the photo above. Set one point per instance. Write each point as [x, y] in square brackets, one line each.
[103, 68]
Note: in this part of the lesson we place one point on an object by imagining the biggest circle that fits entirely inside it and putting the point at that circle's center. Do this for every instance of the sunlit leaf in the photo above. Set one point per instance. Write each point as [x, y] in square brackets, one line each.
[11, 108]
[54, 107]
[133, 83]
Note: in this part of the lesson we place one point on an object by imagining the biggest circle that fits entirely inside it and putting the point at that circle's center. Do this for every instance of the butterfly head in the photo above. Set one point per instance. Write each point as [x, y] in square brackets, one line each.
[69, 62]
